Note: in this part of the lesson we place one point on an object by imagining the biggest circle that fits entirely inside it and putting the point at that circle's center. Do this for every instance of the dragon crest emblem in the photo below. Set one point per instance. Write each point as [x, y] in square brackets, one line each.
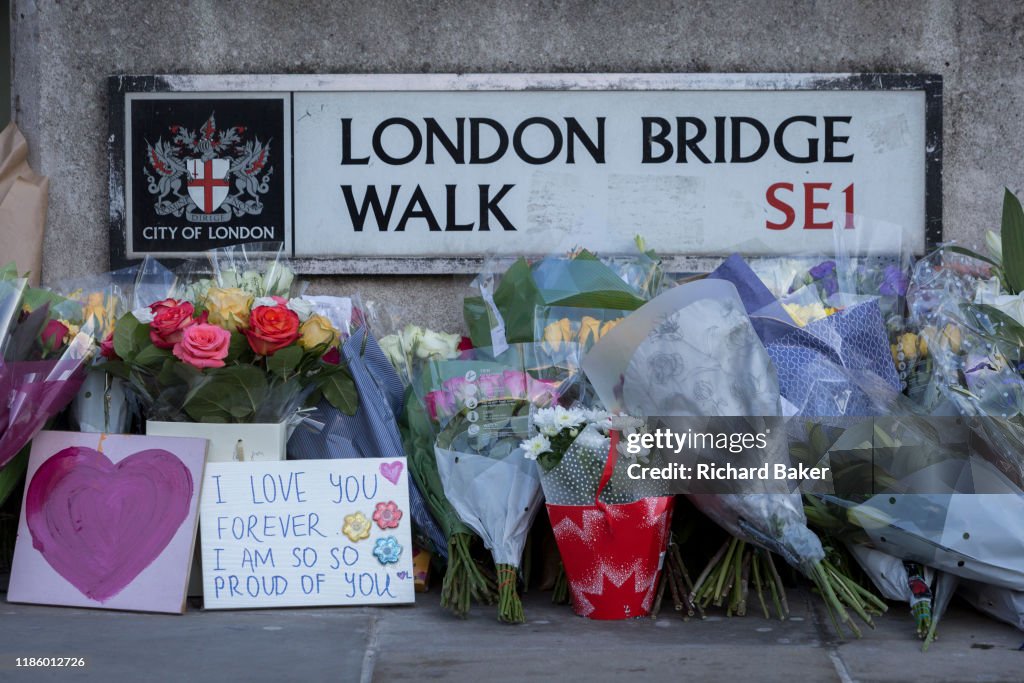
[222, 174]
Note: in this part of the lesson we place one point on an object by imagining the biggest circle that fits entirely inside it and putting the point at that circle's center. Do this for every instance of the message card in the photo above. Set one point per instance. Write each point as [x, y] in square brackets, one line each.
[310, 532]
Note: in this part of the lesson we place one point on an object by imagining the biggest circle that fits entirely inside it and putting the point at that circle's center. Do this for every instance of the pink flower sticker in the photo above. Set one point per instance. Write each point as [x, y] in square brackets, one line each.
[387, 515]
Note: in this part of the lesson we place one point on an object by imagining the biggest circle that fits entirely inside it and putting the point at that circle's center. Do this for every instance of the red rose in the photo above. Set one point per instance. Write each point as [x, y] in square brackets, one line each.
[170, 317]
[272, 328]
[465, 344]
[332, 357]
[53, 335]
[107, 348]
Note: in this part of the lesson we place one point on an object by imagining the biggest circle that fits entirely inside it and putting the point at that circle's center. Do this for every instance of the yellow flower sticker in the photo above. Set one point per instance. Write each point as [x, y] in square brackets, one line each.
[356, 527]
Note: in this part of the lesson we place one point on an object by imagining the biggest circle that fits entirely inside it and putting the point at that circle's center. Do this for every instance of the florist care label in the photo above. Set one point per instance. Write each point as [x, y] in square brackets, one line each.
[298, 533]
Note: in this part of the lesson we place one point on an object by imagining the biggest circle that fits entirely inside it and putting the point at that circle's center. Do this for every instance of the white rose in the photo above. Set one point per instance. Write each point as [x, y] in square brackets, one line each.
[301, 307]
[391, 345]
[437, 345]
[411, 336]
[143, 315]
[279, 280]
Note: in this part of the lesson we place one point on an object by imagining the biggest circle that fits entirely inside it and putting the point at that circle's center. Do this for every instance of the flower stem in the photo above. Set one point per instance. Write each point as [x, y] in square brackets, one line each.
[510, 607]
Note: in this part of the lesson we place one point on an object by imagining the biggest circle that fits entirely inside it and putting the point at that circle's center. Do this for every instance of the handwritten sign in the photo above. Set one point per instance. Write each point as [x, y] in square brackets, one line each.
[290, 534]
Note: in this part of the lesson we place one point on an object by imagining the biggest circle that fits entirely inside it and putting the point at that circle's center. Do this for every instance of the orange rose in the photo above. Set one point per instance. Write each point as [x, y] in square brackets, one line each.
[272, 328]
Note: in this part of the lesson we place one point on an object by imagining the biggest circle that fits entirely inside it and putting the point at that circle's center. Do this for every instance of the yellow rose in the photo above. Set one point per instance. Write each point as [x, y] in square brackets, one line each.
[951, 335]
[608, 326]
[590, 330]
[558, 332]
[316, 331]
[228, 307]
[907, 344]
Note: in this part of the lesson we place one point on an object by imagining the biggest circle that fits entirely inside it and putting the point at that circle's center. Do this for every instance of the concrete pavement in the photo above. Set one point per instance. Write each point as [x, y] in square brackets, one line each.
[424, 642]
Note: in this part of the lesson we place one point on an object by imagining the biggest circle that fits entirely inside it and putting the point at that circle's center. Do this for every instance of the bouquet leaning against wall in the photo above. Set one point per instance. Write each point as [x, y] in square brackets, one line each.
[239, 348]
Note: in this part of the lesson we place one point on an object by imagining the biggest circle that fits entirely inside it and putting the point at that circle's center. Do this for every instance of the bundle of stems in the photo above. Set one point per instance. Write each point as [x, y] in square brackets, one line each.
[729, 575]
[560, 592]
[464, 582]
[675, 580]
[510, 607]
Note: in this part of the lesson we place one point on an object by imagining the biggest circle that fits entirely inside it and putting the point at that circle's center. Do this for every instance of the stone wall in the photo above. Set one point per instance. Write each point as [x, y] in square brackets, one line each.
[62, 52]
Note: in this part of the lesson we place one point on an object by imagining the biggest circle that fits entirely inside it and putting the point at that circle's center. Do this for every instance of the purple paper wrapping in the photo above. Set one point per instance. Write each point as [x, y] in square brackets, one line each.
[32, 393]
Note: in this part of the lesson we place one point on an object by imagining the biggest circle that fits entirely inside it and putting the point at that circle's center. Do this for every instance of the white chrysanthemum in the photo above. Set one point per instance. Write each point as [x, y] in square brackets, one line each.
[568, 418]
[536, 446]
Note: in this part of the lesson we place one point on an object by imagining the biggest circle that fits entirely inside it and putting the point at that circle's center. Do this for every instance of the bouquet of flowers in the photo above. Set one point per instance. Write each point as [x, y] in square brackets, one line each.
[480, 405]
[504, 311]
[104, 403]
[43, 365]
[693, 351]
[611, 529]
[236, 348]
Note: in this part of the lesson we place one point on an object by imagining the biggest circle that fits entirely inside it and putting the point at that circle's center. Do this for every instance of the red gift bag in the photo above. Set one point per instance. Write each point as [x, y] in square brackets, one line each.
[612, 553]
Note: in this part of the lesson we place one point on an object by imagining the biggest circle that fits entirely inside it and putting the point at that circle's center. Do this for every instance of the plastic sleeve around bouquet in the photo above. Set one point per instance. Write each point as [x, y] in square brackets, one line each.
[502, 311]
[32, 392]
[576, 478]
[519, 372]
[259, 268]
[494, 489]
[932, 491]
[693, 352]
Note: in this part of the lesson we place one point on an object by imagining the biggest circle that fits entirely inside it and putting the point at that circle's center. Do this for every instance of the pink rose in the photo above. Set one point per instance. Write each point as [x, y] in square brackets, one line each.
[515, 383]
[203, 346]
[439, 404]
[542, 391]
[491, 385]
[170, 317]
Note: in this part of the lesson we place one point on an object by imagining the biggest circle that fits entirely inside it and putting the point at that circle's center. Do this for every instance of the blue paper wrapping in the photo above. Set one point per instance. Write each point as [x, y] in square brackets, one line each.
[814, 362]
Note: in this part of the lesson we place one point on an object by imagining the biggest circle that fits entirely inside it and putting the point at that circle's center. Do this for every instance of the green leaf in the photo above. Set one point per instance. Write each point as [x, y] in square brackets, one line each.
[125, 336]
[152, 358]
[232, 394]
[115, 368]
[285, 360]
[973, 254]
[1013, 242]
[340, 390]
[238, 348]
[1001, 326]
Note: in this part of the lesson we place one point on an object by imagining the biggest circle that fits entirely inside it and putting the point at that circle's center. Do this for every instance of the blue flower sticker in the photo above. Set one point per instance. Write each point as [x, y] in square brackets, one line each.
[387, 550]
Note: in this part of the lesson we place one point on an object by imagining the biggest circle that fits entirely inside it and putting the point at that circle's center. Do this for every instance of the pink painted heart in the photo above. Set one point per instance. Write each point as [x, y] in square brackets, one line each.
[99, 524]
[391, 470]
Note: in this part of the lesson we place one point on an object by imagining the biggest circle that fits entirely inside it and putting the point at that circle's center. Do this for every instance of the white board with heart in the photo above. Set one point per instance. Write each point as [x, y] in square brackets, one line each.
[309, 532]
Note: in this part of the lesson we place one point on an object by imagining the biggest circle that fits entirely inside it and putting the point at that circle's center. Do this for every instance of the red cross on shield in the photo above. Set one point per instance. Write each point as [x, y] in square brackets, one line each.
[207, 182]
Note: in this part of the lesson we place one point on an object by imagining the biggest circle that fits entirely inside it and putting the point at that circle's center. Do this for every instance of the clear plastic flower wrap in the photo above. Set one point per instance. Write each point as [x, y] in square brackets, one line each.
[105, 403]
[507, 292]
[480, 405]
